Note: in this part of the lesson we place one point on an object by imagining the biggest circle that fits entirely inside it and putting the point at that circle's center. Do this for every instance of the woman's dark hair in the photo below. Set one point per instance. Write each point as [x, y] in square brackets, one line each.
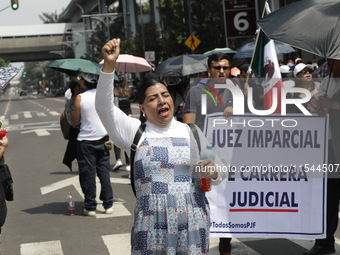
[73, 84]
[150, 79]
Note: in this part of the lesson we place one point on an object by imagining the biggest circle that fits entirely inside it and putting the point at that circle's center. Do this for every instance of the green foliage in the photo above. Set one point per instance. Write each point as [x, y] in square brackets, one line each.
[49, 17]
[3, 62]
[208, 24]
[173, 30]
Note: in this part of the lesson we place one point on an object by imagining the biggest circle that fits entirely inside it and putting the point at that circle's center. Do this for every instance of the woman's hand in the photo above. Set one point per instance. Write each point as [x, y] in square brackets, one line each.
[110, 52]
[208, 169]
[228, 112]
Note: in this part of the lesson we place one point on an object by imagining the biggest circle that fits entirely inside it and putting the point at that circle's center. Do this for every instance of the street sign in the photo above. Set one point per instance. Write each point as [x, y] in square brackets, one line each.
[192, 42]
[240, 18]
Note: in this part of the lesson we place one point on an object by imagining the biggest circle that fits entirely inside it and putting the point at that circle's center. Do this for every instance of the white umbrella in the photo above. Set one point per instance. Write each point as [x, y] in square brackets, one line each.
[216, 50]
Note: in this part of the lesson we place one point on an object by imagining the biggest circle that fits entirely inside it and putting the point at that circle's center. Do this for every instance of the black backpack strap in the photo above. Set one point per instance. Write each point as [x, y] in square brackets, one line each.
[194, 131]
[138, 135]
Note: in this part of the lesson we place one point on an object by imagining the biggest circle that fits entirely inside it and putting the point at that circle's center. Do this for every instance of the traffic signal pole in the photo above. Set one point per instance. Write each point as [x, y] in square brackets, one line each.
[15, 4]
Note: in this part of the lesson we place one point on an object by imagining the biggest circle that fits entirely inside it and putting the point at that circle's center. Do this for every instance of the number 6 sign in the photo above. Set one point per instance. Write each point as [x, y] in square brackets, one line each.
[240, 18]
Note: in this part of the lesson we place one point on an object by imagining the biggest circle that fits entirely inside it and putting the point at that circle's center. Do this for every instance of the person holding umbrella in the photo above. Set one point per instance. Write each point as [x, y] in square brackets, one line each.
[93, 154]
[329, 99]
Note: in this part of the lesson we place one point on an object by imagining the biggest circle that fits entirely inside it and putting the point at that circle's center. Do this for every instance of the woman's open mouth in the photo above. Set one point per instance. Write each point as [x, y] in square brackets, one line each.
[164, 112]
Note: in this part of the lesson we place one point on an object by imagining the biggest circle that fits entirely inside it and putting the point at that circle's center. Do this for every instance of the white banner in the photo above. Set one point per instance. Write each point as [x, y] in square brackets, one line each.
[277, 168]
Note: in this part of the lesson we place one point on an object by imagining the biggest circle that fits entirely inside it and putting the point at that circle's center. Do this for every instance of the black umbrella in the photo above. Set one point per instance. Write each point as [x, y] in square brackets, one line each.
[182, 65]
[309, 25]
[246, 50]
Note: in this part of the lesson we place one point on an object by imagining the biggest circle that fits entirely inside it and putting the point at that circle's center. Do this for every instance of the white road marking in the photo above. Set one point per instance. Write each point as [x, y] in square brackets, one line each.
[62, 184]
[42, 248]
[120, 180]
[54, 113]
[41, 114]
[112, 241]
[14, 117]
[119, 209]
[39, 132]
[27, 115]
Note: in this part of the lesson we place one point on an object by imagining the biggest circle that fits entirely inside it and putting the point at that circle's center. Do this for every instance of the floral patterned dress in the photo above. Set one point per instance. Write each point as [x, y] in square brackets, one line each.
[172, 213]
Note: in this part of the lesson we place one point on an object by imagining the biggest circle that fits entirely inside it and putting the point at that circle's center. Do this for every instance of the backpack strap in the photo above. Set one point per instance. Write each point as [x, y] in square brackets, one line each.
[194, 131]
[138, 135]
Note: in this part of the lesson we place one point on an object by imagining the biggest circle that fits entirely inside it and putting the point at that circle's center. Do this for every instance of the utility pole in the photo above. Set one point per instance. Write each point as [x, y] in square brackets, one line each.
[105, 18]
[142, 24]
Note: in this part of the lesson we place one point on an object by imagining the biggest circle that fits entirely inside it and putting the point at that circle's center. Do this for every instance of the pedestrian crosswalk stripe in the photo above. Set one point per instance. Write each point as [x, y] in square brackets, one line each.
[41, 248]
[54, 113]
[41, 114]
[14, 117]
[118, 211]
[120, 180]
[123, 240]
[27, 115]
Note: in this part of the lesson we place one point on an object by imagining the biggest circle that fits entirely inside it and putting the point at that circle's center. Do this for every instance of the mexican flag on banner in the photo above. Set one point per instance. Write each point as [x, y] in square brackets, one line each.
[266, 65]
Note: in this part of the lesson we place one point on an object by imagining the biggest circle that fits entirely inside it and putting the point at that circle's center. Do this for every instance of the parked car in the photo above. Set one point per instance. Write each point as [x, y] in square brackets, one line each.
[35, 92]
[23, 93]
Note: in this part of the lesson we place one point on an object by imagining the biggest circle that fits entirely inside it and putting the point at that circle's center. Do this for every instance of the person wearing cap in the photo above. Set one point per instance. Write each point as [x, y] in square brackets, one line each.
[284, 70]
[303, 79]
[93, 154]
[303, 74]
[298, 61]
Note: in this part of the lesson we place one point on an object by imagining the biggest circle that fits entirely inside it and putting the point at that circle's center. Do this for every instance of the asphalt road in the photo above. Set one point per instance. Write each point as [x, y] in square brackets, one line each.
[37, 221]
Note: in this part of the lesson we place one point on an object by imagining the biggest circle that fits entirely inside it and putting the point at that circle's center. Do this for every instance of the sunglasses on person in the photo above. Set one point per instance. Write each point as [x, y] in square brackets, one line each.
[304, 71]
[219, 67]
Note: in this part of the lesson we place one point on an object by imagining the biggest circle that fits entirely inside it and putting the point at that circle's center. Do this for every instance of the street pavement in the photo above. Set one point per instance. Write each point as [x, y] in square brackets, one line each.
[37, 222]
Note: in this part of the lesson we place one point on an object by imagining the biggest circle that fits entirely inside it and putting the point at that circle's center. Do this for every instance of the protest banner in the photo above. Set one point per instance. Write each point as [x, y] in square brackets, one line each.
[277, 169]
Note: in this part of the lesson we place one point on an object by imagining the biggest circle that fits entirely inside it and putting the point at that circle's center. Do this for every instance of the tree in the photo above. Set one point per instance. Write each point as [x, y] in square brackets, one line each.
[3, 62]
[48, 18]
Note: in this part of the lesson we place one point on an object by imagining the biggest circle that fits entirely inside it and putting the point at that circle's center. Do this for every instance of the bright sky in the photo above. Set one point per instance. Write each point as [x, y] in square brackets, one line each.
[28, 11]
